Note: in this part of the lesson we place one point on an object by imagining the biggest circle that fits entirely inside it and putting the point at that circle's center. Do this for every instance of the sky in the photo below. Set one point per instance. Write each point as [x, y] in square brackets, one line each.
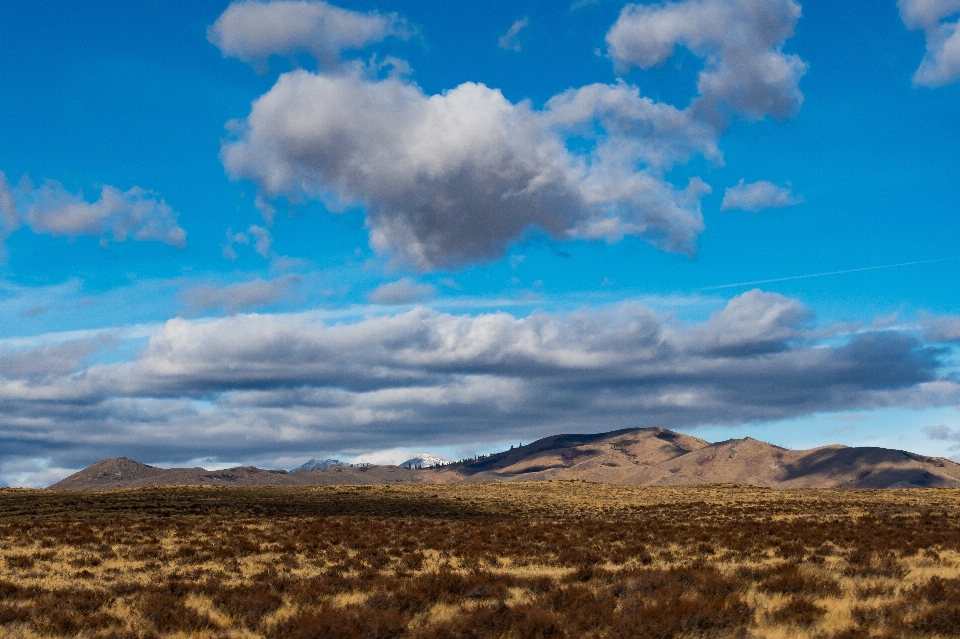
[257, 232]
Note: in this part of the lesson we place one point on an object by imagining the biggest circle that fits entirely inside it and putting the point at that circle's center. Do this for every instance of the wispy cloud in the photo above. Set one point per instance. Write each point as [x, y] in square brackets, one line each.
[403, 291]
[242, 296]
[509, 41]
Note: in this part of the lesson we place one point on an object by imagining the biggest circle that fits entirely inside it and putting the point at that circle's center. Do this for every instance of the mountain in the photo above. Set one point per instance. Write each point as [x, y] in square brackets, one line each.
[424, 460]
[313, 463]
[635, 456]
[126, 473]
[659, 457]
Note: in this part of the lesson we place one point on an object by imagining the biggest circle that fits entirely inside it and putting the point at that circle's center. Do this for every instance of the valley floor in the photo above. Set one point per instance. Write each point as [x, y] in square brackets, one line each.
[518, 560]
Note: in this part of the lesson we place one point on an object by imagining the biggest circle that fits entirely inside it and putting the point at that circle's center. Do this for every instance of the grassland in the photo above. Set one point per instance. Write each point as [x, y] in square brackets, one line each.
[537, 560]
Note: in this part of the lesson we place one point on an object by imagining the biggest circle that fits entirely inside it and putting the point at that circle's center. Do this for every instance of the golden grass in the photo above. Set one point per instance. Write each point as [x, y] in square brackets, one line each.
[552, 559]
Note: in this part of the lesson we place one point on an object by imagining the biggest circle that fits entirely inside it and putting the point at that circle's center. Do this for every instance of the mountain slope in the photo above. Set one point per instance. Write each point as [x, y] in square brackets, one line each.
[618, 457]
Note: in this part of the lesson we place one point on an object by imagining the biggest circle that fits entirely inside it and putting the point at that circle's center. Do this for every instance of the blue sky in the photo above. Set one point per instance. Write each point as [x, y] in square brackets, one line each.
[258, 232]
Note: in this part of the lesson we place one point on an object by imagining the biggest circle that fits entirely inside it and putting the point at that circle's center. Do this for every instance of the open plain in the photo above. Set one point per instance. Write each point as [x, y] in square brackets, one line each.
[518, 560]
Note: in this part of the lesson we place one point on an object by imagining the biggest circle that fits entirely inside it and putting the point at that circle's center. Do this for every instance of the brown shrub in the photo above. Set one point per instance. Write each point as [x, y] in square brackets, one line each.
[248, 604]
[19, 562]
[942, 619]
[526, 621]
[788, 579]
[352, 622]
[798, 611]
[166, 612]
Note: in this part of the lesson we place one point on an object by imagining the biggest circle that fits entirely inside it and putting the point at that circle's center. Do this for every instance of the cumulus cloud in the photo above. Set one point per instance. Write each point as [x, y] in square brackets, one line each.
[252, 30]
[116, 216]
[257, 385]
[403, 291]
[751, 324]
[238, 297]
[454, 178]
[941, 64]
[757, 196]
[509, 41]
[741, 42]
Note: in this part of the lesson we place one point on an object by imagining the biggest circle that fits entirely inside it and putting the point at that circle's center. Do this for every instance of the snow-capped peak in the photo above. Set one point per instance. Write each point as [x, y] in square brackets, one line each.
[424, 460]
[313, 463]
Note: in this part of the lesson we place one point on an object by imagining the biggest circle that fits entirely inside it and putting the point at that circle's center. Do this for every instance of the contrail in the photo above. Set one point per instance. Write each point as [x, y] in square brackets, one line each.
[803, 277]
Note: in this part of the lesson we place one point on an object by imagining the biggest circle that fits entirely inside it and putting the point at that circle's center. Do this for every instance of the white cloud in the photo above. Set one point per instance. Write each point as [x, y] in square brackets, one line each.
[253, 31]
[741, 42]
[116, 216]
[941, 64]
[509, 41]
[454, 178]
[920, 14]
[751, 323]
[757, 196]
[32, 473]
[403, 291]
[637, 128]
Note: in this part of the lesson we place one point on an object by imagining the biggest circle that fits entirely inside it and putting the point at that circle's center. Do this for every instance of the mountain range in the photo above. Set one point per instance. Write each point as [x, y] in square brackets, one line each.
[636, 456]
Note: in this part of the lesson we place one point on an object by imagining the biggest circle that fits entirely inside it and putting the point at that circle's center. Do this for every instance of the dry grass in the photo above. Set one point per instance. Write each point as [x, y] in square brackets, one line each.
[563, 559]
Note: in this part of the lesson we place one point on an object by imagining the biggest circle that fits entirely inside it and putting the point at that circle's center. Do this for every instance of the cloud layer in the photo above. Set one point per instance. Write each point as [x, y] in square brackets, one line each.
[454, 178]
[262, 386]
